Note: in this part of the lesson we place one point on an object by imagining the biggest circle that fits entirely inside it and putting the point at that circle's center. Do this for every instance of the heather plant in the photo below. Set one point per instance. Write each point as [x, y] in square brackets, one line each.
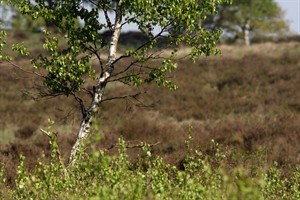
[101, 176]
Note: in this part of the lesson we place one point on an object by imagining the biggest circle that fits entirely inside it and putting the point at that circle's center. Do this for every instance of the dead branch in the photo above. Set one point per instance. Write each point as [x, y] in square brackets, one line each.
[95, 52]
[134, 96]
[90, 93]
[80, 101]
[24, 70]
[132, 146]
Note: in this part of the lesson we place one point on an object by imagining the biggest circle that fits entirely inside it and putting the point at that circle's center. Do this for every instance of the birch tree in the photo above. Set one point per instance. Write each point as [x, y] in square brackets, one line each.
[66, 70]
[245, 19]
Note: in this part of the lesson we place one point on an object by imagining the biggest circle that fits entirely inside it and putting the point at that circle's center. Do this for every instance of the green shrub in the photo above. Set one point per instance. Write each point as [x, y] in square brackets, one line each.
[100, 176]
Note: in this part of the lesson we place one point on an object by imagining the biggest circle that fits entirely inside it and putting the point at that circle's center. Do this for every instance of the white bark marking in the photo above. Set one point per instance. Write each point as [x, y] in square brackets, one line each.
[86, 122]
[105, 76]
[247, 33]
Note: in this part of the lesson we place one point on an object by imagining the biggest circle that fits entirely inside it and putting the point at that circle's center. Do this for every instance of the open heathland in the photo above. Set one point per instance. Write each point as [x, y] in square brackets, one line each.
[247, 101]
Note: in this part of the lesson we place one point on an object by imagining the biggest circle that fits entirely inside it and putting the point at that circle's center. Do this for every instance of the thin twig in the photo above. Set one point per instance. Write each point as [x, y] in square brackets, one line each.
[88, 92]
[124, 77]
[134, 63]
[127, 21]
[95, 52]
[132, 146]
[24, 70]
[122, 97]
[80, 101]
[126, 69]
[46, 132]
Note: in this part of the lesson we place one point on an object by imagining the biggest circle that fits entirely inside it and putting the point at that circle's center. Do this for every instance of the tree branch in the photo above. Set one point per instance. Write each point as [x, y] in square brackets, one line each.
[24, 70]
[88, 92]
[146, 43]
[130, 98]
[80, 101]
[124, 77]
[109, 24]
[95, 52]
[123, 97]
[134, 63]
[127, 21]
[132, 146]
[126, 69]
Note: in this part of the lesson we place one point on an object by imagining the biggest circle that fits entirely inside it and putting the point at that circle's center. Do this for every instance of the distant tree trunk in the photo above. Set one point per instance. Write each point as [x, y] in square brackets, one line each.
[86, 123]
[247, 32]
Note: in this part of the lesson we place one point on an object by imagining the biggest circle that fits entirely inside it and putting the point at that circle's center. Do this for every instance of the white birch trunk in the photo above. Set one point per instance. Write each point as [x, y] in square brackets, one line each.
[247, 33]
[86, 123]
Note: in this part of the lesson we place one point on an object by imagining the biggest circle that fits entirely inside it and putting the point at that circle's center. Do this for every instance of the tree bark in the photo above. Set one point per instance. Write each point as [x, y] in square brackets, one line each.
[86, 123]
[247, 32]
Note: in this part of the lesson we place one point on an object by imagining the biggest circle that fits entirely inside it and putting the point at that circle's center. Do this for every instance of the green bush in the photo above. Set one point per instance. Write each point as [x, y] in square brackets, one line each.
[100, 176]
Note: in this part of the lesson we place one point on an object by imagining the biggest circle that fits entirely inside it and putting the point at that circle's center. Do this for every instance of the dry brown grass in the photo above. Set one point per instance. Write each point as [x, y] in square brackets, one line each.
[247, 99]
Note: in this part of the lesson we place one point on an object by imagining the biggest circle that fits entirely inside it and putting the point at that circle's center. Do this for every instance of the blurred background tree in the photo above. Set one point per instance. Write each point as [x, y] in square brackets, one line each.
[249, 19]
[21, 22]
[11, 18]
[4, 14]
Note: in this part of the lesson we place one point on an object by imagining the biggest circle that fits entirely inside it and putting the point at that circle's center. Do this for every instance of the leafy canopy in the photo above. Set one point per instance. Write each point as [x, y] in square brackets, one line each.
[69, 65]
[265, 16]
